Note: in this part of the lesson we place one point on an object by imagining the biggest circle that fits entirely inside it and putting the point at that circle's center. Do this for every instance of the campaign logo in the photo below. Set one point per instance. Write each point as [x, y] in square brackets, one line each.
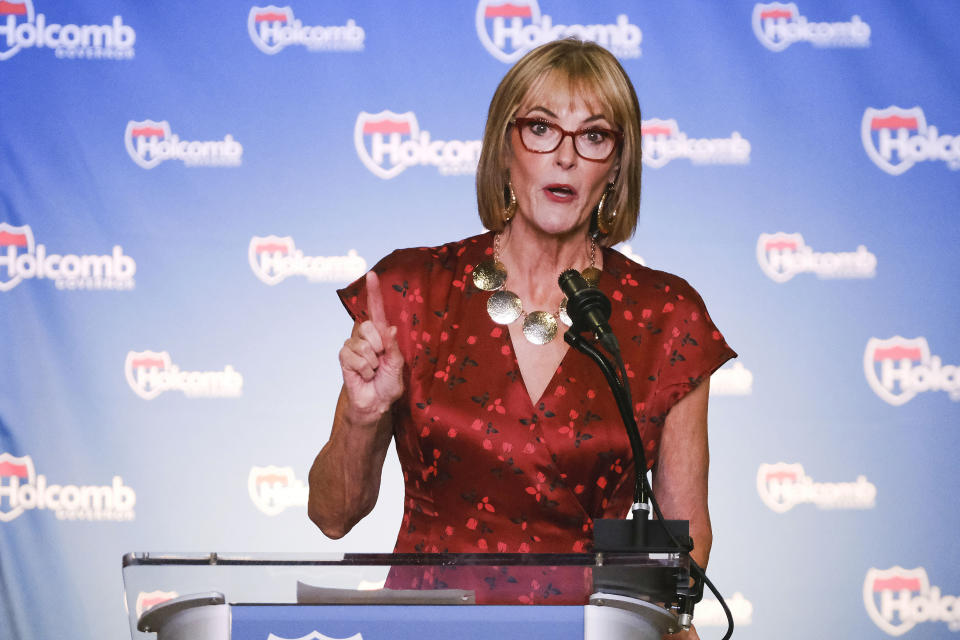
[273, 489]
[21, 27]
[150, 373]
[23, 489]
[898, 368]
[21, 258]
[777, 25]
[663, 141]
[735, 380]
[274, 28]
[275, 258]
[899, 599]
[895, 139]
[782, 486]
[148, 599]
[783, 255]
[389, 142]
[508, 30]
[709, 613]
[314, 635]
[150, 142]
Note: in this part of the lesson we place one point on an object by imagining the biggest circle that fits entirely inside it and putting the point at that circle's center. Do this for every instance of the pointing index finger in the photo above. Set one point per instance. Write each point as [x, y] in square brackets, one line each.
[375, 302]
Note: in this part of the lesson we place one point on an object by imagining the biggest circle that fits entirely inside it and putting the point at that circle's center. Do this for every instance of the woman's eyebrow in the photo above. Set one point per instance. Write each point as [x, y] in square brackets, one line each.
[597, 116]
[544, 109]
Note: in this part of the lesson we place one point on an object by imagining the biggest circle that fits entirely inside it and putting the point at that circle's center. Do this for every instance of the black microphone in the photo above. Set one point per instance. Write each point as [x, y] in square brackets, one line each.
[588, 308]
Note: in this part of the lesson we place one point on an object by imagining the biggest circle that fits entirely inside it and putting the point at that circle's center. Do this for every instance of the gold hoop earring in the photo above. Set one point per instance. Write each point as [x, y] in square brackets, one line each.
[511, 208]
[605, 220]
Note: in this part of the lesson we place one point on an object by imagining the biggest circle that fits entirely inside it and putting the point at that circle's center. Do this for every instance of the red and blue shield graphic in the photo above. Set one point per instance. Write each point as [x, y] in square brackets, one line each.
[772, 478]
[138, 368]
[879, 126]
[880, 359]
[767, 15]
[262, 484]
[14, 242]
[883, 594]
[12, 14]
[14, 470]
[377, 138]
[265, 249]
[500, 27]
[270, 16]
[654, 132]
[139, 132]
[776, 244]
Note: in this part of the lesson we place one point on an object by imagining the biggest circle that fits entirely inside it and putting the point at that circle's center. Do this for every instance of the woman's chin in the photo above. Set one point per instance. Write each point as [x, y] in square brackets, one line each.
[558, 226]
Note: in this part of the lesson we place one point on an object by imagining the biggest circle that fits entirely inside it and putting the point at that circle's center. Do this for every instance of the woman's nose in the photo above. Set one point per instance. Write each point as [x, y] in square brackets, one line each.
[566, 153]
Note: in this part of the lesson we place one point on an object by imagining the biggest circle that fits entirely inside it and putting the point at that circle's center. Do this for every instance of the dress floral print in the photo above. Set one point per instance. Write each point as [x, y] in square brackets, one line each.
[487, 470]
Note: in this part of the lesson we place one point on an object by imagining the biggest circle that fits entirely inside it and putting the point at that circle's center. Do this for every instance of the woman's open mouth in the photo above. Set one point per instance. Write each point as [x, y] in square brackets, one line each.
[560, 192]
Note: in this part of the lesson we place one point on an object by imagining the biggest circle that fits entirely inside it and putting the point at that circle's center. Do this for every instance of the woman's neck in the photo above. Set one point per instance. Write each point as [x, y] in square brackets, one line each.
[534, 260]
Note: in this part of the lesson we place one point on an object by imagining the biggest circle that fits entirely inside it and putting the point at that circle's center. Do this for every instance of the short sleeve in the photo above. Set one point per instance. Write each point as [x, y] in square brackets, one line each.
[692, 349]
[399, 284]
[354, 298]
[406, 276]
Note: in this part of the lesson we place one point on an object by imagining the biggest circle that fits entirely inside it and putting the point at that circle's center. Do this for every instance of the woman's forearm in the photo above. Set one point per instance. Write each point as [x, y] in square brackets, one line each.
[345, 476]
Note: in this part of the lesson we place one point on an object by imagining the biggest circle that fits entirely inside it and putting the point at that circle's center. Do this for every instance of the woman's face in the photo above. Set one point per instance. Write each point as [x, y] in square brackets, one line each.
[557, 191]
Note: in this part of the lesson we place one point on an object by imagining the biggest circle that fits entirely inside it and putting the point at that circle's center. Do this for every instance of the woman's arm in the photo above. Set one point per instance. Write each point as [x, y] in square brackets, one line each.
[345, 476]
[680, 475]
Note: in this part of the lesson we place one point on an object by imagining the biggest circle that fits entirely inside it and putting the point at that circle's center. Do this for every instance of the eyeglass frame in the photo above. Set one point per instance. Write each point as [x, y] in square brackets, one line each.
[522, 121]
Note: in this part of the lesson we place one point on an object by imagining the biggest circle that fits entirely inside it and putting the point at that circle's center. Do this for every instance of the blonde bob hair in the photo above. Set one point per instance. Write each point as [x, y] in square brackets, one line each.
[596, 76]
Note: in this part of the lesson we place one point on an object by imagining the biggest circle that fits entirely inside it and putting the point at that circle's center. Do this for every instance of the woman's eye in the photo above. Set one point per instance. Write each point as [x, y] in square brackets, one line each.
[596, 136]
[539, 128]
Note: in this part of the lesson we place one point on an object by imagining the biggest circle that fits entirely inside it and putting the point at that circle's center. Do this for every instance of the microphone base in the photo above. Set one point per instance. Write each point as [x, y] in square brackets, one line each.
[615, 535]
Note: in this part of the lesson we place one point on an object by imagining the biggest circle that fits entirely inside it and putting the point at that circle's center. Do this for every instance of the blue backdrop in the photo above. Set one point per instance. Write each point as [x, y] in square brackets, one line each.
[183, 186]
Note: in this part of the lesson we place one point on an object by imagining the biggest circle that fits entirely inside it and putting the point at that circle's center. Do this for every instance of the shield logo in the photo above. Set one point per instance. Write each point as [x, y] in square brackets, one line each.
[881, 588]
[147, 599]
[880, 126]
[264, 483]
[385, 132]
[315, 635]
[771, 481]
[14, 242]
[771, 247]
[263, 253]
[22, 12]
[141, 367]
[882, 358]
[655, 134]
[21, 468]
[272, 17]
[137, 137]
[501, 20]
[767, 17]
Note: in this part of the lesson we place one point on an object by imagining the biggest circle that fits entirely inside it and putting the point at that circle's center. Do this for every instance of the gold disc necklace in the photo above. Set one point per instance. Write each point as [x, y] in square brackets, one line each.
[505, 307]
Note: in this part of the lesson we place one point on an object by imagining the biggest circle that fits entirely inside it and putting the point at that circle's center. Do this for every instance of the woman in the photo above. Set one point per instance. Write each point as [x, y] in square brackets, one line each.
[510, 441]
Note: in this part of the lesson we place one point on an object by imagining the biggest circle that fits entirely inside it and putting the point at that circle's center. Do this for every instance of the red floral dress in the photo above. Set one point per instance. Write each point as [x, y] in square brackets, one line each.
[487, 470]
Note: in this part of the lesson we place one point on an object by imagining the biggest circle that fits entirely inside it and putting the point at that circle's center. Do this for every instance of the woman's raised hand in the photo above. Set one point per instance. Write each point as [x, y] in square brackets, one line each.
[371, 362]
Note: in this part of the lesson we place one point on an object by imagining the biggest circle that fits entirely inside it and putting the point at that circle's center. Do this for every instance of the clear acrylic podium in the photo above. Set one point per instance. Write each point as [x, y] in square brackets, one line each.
[598, 596]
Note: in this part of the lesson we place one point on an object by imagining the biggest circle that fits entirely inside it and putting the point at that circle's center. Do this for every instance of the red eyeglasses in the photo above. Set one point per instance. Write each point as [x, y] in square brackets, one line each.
[595, 144]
